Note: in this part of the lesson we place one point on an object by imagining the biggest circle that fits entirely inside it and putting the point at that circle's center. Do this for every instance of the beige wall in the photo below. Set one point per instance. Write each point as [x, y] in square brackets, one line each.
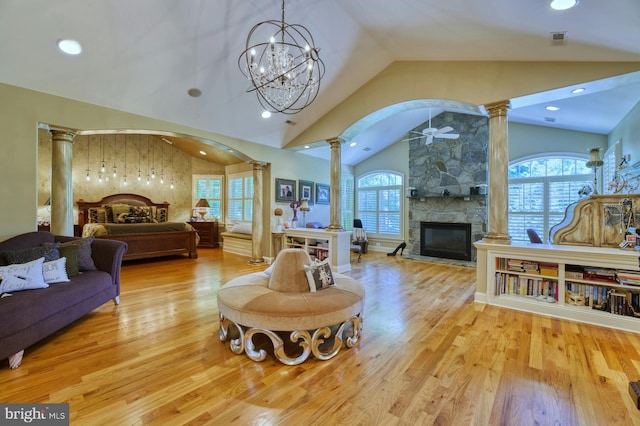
[21, 110]
[475, 83]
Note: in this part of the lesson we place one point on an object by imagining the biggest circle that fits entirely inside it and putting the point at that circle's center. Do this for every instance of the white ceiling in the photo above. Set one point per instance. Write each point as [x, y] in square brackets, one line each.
[142, 56]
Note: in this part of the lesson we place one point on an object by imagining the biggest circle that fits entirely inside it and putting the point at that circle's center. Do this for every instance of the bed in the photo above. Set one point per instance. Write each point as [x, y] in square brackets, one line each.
[143, 225]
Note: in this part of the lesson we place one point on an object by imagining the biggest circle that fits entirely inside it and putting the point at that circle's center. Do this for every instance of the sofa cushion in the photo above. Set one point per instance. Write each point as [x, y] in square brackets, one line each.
[48, 251]
[22, 276]
[26, 308]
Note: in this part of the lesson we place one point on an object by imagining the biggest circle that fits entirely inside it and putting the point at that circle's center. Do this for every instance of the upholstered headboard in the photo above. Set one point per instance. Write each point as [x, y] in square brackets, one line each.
[130, 199]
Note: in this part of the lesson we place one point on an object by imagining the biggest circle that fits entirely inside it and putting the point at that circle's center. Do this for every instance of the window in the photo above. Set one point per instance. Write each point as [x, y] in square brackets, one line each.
[540, 190]
[379, 204]
[240, 197]
[346, 201]
[208, 187]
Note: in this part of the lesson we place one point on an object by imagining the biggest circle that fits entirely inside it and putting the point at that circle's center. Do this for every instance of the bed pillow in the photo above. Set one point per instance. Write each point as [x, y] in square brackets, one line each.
[22, 276]
[85, 261]
[97, 215]
[55, 272]
[319, 275]
[49, 252]
[162, 214]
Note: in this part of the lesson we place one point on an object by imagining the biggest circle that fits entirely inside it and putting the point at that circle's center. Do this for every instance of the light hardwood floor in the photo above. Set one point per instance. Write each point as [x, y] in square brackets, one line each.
[428, 355]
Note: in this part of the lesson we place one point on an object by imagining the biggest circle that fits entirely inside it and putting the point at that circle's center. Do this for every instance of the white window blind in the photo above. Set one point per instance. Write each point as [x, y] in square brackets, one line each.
[240, 197]
[379, 205]
[209, 187]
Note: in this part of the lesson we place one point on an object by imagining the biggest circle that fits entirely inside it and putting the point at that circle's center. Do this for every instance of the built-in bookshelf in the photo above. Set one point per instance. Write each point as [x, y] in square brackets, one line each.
[322, 244]
[593, 285]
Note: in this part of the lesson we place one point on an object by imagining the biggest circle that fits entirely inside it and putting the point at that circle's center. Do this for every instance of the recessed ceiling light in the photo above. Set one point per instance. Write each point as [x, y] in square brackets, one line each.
[578, 90]
[307, 147]
[352, 144]
[194, 92]
[203, 153]
[563, 4]
[70, 47]
[266, 114]
[551, 108]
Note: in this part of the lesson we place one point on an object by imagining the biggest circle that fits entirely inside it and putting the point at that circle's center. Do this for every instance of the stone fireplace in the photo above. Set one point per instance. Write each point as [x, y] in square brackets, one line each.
[453, 165]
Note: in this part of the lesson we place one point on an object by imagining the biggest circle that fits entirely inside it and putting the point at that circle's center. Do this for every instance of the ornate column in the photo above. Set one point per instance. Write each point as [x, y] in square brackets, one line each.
[257, 221]
[334, 195]
[498, 174]
[61, 182]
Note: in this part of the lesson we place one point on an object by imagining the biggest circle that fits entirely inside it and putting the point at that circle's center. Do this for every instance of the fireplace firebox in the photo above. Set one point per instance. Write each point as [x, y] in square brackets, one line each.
[445, 240]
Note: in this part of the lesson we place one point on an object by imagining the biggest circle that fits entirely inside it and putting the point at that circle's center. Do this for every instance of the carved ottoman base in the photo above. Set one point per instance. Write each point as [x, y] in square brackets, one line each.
[253, 317]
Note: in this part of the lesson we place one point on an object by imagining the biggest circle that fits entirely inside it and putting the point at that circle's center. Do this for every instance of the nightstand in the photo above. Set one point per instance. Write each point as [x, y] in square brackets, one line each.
[208, 232]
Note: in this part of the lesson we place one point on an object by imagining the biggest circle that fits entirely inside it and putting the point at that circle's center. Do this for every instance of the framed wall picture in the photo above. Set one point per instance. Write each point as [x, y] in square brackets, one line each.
[285, 190]
[305, 190]
[322, 193]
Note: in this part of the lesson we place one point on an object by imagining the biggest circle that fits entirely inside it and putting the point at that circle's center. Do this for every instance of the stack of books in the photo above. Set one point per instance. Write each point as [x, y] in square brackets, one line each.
[600, 274]
[527, 266]
[628, 277]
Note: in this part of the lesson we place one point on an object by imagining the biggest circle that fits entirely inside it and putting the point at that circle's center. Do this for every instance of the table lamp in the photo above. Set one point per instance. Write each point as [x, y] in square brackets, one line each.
[203, 208]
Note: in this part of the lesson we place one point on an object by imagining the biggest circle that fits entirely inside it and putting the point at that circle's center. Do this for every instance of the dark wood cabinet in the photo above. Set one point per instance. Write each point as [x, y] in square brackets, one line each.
[208, 232]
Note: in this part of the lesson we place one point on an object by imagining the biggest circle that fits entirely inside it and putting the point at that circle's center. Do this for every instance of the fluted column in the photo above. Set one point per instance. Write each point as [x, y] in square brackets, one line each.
[498, 174]
[257, 222]
[61, 182]
[334, 195]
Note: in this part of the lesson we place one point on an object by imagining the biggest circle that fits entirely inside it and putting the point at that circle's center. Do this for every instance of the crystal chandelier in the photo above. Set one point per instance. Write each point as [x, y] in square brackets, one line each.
[282, 63]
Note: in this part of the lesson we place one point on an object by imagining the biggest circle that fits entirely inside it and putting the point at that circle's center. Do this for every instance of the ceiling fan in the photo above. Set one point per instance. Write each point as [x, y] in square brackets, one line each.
[431, 132]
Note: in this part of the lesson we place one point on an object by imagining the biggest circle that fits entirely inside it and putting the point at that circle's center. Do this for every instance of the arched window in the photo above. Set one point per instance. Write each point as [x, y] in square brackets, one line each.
[540, 189]
[379, 203]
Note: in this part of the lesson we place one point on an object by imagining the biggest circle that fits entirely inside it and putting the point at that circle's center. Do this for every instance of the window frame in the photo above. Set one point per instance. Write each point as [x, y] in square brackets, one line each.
[212, 200]
[373, 231]
[547, 181]
[245, 199]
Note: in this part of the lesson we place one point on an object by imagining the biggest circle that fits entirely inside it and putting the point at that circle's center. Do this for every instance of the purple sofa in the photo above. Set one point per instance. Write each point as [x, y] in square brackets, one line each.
[31, 315]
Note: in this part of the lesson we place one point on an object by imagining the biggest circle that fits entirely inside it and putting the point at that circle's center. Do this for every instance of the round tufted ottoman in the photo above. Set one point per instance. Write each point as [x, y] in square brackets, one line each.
[315, 322]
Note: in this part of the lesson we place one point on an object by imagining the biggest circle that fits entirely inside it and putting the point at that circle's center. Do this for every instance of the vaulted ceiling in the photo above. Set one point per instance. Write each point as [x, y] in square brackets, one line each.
[143, 56]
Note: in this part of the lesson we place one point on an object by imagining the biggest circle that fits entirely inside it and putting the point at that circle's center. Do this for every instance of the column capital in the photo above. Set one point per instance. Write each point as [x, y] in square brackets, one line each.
[499, 108]
[258, 165]
[62, 135]
[335, 142]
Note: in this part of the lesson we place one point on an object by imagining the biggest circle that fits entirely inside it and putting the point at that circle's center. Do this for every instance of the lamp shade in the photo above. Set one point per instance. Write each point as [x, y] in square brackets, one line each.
[304, 207]
[594, 158]
[202, 202]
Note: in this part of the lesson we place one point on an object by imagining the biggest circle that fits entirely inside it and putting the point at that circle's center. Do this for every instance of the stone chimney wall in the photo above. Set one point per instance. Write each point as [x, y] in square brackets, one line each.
[453, 165]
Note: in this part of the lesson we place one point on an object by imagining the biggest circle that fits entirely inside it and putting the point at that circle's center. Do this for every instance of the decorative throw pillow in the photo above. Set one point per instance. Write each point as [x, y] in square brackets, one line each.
[108, 212]
[70, 253]
[85, 261]
[242, 228]
[13, 283]
[22, 276]
[55, 272]
[319, 275]
[49, 252]
[118, 209]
